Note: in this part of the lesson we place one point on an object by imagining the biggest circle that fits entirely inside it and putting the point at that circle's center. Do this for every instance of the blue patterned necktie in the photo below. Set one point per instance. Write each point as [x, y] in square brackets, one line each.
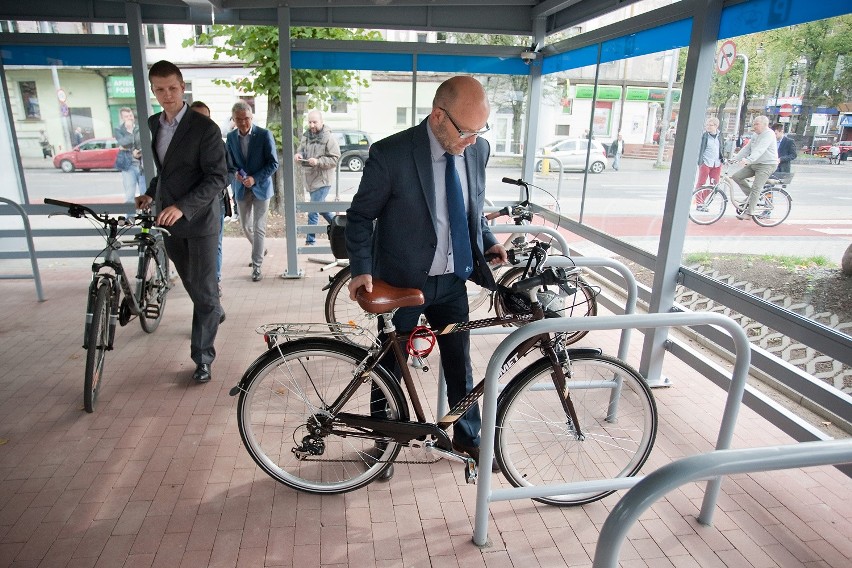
[459, 232]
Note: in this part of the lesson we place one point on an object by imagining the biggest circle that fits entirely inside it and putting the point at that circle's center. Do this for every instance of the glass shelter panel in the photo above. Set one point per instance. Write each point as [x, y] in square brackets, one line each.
[788, 251]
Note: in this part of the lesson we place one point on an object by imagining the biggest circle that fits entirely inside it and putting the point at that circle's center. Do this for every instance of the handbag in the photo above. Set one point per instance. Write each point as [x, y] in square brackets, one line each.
[225, 200]
[337, 236]
[123, 160]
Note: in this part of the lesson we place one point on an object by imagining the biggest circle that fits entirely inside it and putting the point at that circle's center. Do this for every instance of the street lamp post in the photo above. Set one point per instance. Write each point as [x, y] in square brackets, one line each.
[667, 107]
[742, 95]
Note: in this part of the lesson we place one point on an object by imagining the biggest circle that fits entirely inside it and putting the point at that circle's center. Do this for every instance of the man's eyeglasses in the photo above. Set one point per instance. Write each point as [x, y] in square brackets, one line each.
[465, 133]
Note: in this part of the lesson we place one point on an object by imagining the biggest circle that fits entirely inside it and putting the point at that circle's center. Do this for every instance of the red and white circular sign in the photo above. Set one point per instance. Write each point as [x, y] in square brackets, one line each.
[726, 57]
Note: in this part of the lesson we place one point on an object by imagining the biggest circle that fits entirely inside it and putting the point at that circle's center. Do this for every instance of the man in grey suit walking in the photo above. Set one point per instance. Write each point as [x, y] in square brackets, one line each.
[425, 189]
[191, 171]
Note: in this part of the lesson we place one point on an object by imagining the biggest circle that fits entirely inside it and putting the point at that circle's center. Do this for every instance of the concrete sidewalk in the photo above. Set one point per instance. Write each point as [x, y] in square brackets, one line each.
[158, 475]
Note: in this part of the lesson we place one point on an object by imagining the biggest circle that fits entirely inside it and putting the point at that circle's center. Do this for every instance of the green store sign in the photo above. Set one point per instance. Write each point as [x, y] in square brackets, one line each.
[652, 94]
[120, 87]
[613, 93]
[605, 92]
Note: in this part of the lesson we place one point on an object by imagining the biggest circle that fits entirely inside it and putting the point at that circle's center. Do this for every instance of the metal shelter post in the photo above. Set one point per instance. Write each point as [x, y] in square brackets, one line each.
[287, 167]
[138, 67]
[699, 65]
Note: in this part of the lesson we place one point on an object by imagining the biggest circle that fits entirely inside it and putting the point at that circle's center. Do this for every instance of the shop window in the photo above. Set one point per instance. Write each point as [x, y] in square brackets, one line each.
[155, 35]
[198, 32]
[29, 98]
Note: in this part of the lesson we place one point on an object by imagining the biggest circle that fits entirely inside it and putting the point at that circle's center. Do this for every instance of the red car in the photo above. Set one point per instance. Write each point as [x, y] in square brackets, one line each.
[93, 154]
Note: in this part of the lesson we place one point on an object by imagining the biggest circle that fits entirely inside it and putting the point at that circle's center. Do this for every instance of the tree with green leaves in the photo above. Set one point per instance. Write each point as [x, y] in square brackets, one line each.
[257, 48]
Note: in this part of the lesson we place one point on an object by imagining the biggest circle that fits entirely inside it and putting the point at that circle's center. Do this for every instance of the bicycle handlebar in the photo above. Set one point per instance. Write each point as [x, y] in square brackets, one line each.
[74, 209]
[146, 221]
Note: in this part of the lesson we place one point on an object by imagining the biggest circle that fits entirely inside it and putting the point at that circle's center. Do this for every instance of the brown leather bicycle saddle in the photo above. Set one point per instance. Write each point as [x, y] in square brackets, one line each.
[385, 298]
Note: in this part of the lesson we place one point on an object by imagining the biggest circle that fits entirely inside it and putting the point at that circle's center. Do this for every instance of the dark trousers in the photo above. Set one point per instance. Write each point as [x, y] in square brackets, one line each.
[446, 303]
[194, 259]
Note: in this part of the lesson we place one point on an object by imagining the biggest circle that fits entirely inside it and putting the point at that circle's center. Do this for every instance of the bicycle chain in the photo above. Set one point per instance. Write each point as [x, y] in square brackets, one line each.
[364, 461]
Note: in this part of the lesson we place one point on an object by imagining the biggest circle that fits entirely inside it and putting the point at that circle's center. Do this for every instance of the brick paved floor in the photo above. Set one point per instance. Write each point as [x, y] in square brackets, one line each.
[157, 476]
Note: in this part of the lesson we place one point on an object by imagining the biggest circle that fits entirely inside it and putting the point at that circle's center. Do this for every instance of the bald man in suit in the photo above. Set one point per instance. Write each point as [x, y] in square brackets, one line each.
[405, 189]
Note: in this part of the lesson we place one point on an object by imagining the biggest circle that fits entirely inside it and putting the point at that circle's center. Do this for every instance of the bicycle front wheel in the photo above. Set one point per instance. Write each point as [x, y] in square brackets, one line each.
[287, 426]
[152, 289]
[537, 444]
[578, 299]
[340, 309]
[97, 343]
[773, 207]
[708, 205]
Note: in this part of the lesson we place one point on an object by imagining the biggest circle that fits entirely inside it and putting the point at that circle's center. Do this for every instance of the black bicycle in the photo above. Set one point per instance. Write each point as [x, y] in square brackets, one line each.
[322, 415]
[111, 298]
[520, 247]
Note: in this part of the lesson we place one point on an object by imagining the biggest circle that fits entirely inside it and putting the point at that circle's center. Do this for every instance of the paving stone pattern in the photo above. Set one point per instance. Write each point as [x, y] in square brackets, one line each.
[806, 358]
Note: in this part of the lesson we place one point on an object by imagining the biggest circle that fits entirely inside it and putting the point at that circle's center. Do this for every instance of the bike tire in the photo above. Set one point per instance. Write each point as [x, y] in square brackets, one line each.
[581, 303]
[97, 345]
[534, 442]
[773, 207]
[153, 289]
[288, 389]
[708, 205]
[340, 309]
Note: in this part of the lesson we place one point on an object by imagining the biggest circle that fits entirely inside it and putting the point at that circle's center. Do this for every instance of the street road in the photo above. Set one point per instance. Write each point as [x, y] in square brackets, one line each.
[627, 204]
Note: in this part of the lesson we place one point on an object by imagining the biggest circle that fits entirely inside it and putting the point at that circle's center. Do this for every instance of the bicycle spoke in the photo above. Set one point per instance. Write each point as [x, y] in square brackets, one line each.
[537, 443]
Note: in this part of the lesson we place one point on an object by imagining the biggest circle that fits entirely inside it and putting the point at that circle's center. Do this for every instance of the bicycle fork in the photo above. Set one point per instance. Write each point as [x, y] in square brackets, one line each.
[97, 281]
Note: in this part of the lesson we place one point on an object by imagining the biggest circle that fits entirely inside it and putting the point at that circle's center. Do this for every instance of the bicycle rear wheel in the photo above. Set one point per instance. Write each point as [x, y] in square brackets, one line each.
[577, 300]
[284, 419]
[773, 207]
[536, 443]
[97, 342]
[152, 289]
[708, 205]
[340, 309]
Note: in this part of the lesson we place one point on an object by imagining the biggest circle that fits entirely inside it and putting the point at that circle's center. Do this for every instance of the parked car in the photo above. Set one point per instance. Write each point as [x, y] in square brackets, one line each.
[93, 154]
[354, 149]
[572, 153]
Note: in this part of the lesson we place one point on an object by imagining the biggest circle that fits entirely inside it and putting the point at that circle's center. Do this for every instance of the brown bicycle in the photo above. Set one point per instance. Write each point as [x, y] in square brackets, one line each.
[308, 415]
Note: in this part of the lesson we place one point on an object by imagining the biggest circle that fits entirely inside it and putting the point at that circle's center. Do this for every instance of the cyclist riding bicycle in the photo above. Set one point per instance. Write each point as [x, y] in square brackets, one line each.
[759, 158]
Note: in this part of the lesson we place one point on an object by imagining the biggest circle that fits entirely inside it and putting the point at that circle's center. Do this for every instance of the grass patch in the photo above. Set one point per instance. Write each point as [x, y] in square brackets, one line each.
[792, 263]
[789, 263]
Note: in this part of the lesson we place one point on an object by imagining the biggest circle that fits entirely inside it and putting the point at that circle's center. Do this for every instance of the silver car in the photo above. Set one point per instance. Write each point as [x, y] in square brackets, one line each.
[572, 153]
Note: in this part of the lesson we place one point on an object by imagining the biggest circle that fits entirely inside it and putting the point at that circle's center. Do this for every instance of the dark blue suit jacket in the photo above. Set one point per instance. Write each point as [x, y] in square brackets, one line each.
[262, 162]
[398, 191]
[786, 153]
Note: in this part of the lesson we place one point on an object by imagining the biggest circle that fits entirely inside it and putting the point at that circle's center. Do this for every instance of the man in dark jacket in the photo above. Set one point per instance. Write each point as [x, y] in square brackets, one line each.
[424, 188]
[191, 172]
[786, 149]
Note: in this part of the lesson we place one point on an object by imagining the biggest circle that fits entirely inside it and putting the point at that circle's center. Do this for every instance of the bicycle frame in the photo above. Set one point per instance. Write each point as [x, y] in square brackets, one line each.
[405, 432]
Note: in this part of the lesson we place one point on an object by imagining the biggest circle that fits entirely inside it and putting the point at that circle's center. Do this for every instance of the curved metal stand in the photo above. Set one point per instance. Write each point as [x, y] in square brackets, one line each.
[484, 494]
[31, 247]
[704, 466]
[565, 262]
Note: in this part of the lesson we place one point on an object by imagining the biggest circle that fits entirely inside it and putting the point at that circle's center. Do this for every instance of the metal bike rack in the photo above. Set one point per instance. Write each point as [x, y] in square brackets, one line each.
[31, 247]
[484, 493]
[704, 466]
[564, 262]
